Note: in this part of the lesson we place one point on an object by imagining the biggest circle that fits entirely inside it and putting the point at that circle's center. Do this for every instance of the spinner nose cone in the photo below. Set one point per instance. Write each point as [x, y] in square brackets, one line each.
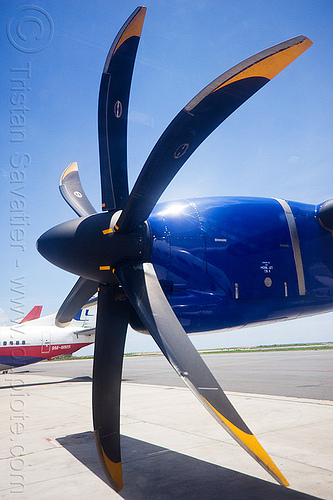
[61, 245]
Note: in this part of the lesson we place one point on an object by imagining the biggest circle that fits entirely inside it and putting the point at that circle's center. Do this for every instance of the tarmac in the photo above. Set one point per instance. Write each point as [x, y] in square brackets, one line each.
[171, 447]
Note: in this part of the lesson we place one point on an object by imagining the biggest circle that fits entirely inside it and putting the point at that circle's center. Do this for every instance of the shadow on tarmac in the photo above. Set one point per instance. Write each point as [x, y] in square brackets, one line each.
[157, 473]
[20, 385]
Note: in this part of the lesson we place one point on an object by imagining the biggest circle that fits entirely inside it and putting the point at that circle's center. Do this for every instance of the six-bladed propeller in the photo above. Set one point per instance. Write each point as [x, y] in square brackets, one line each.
[110, 251]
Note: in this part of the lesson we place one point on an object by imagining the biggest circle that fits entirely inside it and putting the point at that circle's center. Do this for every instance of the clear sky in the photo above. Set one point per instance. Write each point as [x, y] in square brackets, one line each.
[278, 144]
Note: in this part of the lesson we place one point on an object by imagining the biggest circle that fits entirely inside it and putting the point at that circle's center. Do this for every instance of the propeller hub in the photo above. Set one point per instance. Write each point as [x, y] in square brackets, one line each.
[90, 247]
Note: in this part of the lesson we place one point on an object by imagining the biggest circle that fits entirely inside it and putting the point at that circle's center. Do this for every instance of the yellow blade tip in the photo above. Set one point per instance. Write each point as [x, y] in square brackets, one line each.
[114, 472]
[250, 443]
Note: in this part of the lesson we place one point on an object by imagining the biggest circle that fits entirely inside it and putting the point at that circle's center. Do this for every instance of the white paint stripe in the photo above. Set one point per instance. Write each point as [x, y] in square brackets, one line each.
[295, 245]
[208, 388]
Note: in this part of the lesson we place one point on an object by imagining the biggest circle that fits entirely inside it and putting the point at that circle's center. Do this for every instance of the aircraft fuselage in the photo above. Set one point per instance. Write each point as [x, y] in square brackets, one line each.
[40, 339]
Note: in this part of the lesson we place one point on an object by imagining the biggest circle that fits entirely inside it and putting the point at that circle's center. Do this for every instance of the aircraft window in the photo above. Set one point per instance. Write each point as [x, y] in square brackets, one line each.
[5, 342]
[11, 342]
[17, 342]
[23, 342]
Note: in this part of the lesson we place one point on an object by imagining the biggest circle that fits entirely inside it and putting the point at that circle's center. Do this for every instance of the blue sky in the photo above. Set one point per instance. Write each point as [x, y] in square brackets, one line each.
[278, 144]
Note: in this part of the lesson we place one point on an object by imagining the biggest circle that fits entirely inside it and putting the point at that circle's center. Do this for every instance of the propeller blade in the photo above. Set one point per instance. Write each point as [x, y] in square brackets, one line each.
[148, 299]
[197, 120]
[111, 327]
[113, 111]
[77, 298]
[73, 193]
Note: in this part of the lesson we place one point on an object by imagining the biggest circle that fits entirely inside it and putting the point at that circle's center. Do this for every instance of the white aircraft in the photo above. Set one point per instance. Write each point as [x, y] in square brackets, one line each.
[36, 338]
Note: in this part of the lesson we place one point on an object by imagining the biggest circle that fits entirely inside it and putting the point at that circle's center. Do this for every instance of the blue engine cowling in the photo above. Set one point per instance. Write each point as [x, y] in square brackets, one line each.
[227, 262]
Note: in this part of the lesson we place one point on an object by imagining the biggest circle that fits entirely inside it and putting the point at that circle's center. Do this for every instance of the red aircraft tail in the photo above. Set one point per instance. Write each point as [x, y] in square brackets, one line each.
[33, 314]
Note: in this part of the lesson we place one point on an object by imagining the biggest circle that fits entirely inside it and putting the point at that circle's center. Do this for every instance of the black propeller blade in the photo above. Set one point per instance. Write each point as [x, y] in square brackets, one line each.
[113, 111]
[112, 319]
[197, 120]
[114, 248]
[77, 297]
[147, 297]
[73, 193]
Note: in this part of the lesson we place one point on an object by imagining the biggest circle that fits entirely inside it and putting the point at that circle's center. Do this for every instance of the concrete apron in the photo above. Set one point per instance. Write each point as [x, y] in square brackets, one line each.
[171, 447]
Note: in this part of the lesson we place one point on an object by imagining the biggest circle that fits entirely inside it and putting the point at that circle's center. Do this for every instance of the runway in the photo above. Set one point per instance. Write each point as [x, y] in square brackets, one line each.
[306, 374]
[172, 448]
